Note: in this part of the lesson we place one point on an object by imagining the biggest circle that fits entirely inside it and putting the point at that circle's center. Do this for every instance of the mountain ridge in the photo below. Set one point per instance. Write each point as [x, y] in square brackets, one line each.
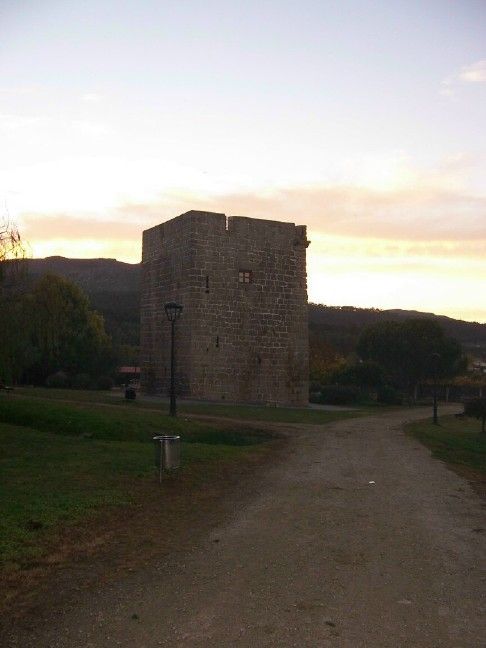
[114, 286]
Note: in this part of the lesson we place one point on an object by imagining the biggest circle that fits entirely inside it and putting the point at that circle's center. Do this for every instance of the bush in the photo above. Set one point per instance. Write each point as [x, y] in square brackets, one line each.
[338, 395]
[104, 383]
[364, 375]
[389, 396]
[314, 392]
[81, 381]
[476, 408]
[57, 380]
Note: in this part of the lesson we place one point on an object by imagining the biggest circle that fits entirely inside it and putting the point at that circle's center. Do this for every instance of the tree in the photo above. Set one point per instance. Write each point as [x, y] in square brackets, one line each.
[476, 408]
[14, 343]
[323, 358]
[65, 333]
[365, 375]
[472, 382]
[12, 250]
[406, 352]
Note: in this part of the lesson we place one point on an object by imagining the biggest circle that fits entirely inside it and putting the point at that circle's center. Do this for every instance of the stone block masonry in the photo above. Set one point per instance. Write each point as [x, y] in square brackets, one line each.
[243, 334]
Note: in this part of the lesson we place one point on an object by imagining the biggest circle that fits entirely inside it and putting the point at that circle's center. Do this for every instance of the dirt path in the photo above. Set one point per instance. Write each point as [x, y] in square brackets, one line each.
[358, 539]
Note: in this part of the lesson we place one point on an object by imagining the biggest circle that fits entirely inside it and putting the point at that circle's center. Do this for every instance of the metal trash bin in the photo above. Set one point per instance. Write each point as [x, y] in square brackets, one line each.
[167, 453]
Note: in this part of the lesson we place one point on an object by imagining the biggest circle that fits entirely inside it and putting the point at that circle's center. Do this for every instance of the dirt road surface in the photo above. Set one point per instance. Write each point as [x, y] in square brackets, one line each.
[358, 538]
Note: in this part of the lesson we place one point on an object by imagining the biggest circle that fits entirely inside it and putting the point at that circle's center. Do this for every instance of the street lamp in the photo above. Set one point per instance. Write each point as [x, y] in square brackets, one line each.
[173, 311]
[435, 368]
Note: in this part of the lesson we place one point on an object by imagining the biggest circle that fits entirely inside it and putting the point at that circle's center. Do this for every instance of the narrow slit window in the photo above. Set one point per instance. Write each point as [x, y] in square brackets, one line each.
[245, 276]
[207, 283]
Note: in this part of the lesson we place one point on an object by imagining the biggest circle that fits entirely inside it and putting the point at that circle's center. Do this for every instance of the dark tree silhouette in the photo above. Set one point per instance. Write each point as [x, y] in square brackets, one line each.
[408, 351]
[476, 408]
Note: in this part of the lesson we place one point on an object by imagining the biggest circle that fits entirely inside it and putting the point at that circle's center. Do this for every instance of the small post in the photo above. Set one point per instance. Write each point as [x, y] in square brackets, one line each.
[435, 361]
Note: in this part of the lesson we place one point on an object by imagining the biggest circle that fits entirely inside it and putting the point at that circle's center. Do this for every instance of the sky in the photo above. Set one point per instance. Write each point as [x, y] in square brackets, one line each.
[364, 120]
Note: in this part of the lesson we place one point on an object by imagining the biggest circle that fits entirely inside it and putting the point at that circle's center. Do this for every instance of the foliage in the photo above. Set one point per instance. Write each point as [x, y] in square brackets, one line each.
[406, 351]
[12, 250]
[365, 375]
[389, 396]
[66, 335]
[342, 326]
[57, 380]
[104, 383]
[15, 349]
[323, 358]
[470, 379]
[476, 408]
[81, 381]
[338, 395]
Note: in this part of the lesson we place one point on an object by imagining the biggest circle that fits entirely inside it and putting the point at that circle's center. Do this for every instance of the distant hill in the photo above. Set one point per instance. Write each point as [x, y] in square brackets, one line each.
[114, 287]
[342, 325]
[92, 275]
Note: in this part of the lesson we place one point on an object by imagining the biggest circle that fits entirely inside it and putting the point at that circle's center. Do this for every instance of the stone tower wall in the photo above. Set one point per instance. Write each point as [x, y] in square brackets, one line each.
[243, 342]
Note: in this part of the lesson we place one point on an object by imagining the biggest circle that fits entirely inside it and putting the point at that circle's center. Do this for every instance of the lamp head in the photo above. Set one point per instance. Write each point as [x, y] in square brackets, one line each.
[172, 310]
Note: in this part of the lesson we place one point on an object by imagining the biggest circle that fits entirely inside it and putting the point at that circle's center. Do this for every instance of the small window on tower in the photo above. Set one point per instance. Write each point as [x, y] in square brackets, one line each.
[245, 276]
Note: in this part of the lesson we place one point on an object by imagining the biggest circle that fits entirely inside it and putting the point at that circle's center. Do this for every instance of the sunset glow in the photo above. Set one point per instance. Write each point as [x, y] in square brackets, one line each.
[363, 120]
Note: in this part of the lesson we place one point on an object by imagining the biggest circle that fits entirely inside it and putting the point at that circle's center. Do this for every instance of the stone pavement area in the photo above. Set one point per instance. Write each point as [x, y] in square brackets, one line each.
[357, 539]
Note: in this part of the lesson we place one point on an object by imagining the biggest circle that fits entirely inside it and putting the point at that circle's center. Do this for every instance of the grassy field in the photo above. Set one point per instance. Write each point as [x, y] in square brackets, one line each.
[456, 441]
[241, 412]
[64, 463]
[67, 455]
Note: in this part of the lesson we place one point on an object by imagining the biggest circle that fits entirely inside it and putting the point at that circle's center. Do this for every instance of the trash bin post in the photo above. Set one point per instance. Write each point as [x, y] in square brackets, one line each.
[167, 453]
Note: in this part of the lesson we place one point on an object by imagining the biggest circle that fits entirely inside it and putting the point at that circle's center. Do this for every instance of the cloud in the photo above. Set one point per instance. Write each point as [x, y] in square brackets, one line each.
[413, 222]
[409, 214]
[18, 90]
[12, 124]
[42, 227]
[91, 97]
[418, 248]
[475, 73]
[89, 128]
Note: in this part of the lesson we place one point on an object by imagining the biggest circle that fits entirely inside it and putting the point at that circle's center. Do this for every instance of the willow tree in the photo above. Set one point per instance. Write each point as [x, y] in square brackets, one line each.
[66, 334]
[13, 331]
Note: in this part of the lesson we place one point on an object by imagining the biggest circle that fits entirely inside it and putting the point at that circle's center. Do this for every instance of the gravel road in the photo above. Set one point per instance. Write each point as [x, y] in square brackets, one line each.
[358, 538]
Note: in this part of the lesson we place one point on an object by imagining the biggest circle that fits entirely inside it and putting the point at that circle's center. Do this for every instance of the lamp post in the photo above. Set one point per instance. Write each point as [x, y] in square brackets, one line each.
[435, 367]
[173, 311]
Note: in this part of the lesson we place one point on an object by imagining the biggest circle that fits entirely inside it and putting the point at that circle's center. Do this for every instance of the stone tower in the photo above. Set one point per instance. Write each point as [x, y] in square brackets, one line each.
[243, 333]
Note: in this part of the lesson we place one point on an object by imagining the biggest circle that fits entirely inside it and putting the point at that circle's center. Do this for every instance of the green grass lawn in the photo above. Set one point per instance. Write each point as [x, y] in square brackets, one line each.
[68, 454]
[242, 412]
[123, 421]
[61, 463]
[455, 440]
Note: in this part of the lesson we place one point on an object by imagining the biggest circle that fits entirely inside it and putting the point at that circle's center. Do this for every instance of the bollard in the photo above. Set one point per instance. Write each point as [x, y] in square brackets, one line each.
[167, 453]
[130, 393]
